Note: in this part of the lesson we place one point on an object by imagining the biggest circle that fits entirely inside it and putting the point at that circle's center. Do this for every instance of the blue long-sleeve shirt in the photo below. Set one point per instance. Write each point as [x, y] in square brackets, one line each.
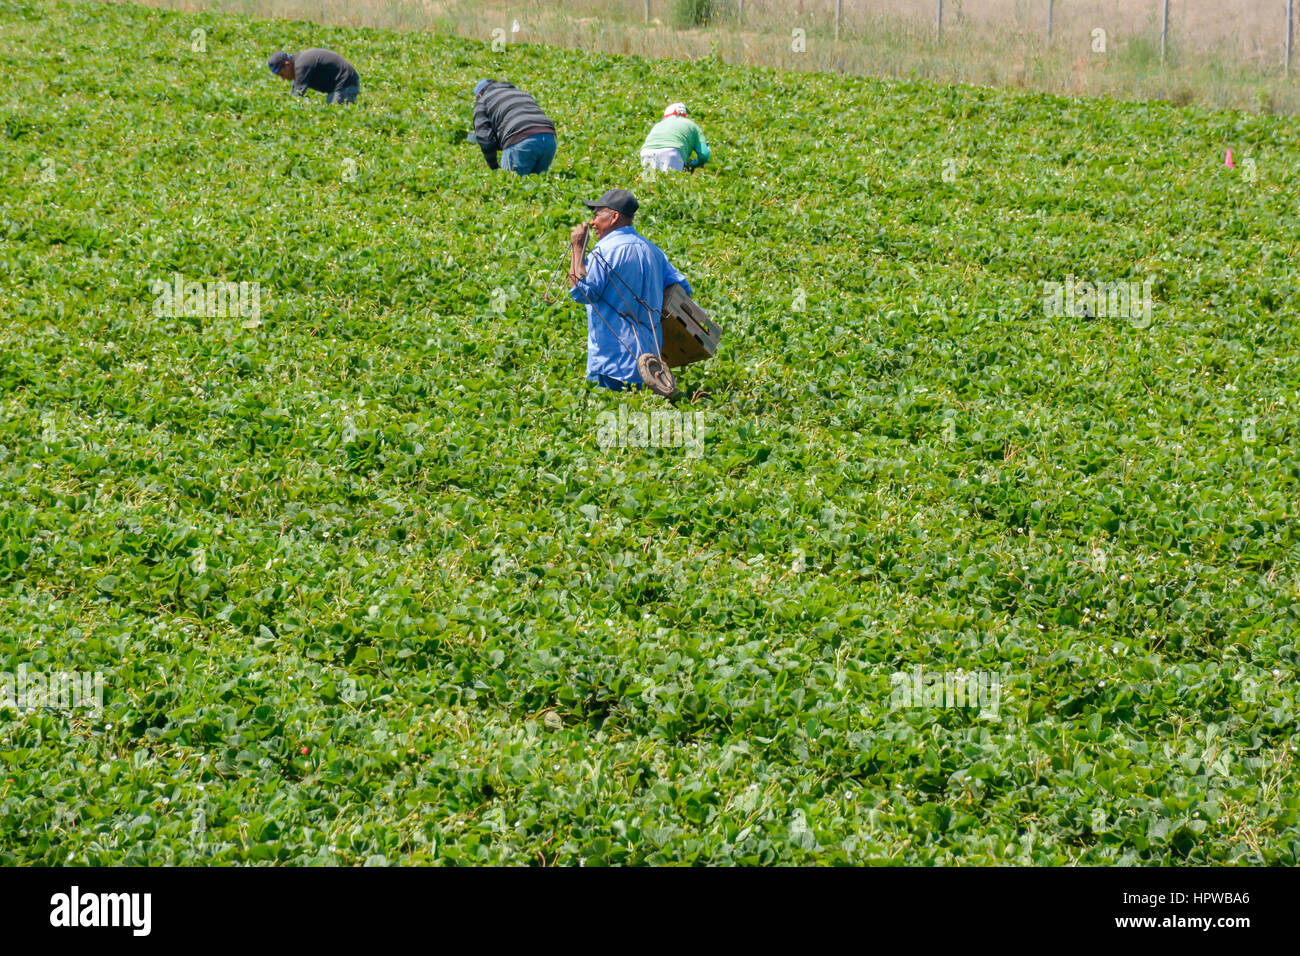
[644, 272]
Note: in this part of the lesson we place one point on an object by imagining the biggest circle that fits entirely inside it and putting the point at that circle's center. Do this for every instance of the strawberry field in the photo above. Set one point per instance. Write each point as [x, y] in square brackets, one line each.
[367, 581]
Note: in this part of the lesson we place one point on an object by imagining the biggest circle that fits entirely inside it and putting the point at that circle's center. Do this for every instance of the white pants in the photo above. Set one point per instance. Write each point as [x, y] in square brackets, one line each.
[664, 160]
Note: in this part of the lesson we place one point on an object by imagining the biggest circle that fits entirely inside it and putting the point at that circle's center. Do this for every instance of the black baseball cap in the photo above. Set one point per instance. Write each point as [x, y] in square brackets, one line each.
[277, 61]
[619, 200]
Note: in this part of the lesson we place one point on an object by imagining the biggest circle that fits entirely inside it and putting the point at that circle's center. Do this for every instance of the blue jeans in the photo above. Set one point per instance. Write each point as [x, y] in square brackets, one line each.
[532, 155]
[346, 95]
[604, 381]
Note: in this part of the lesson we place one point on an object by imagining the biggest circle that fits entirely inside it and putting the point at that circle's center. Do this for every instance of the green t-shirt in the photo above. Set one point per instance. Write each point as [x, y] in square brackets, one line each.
[681, 134]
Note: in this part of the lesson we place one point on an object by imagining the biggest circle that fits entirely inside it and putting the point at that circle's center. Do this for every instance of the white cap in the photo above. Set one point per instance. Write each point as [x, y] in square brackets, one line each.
[677, 109]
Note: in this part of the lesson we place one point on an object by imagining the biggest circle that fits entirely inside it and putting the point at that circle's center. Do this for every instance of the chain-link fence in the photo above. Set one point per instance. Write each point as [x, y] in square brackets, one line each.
[1259, 31]
[1228, 53]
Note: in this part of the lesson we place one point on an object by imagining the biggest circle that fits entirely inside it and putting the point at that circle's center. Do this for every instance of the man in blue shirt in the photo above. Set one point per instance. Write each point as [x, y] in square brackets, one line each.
[622, 285]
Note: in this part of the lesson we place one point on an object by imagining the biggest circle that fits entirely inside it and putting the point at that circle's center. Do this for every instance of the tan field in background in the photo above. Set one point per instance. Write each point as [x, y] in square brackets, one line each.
[1223, 53]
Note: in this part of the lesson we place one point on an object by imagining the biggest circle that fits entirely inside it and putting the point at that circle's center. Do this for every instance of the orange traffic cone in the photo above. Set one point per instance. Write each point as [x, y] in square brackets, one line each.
[1228, 162]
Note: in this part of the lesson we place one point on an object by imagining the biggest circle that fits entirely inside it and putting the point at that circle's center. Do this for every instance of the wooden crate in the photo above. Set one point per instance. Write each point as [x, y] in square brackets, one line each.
[689, 334]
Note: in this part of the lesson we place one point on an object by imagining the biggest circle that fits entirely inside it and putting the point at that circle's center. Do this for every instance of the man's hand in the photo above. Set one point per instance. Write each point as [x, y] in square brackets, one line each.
[579, 235]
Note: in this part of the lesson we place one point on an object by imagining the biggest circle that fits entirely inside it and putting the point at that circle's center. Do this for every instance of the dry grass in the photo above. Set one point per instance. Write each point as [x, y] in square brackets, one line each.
[1224, 53]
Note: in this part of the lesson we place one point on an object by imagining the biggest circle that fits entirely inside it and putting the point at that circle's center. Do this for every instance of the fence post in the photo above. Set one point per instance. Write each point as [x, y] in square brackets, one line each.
[1050, 5]
[647, 11]
[740, 13]
[1286, 70]
[1164, 29]
[938, 19]
[839, 12]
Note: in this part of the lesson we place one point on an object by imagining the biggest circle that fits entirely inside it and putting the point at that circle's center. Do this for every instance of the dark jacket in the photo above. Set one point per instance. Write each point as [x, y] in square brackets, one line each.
[503, 116]
[322, 70]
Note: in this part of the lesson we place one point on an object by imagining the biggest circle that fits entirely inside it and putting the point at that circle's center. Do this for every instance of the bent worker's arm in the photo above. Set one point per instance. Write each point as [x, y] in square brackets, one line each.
[577, 244]
[486, 136]
[586, 285]
[701, 149]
